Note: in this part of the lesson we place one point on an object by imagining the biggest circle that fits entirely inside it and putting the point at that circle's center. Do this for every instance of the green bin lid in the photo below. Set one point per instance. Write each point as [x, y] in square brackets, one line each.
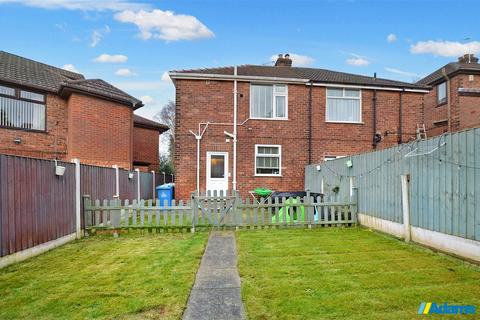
[263, 192]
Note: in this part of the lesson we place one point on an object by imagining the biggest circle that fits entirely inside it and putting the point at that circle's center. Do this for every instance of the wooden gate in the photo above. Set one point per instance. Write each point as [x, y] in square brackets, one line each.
[214, 208]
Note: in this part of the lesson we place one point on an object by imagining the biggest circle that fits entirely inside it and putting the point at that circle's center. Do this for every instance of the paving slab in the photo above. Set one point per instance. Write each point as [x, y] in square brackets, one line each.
[218, 278]
[216, 292]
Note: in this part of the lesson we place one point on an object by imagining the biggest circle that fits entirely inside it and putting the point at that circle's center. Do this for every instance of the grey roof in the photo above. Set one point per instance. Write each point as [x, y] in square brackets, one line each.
[139, 121]
[313, 74]
[450, 69]
[32, 74]
[100, 88]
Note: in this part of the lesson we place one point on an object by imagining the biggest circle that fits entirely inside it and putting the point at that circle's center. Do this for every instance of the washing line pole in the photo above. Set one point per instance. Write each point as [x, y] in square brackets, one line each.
[198, 137]
[235, 97]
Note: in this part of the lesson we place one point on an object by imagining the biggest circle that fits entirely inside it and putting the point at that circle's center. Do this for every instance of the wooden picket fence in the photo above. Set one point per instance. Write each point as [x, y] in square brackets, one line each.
[218, 211]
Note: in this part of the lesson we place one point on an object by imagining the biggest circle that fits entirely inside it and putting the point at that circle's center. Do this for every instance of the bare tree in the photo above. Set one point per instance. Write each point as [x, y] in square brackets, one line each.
[167, 117]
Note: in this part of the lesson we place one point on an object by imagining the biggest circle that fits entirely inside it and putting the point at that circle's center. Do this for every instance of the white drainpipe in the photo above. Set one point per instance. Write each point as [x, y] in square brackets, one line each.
[235, 97]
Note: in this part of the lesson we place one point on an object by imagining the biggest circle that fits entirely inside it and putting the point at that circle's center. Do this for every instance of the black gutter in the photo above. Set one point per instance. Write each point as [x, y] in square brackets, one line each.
[310, 123]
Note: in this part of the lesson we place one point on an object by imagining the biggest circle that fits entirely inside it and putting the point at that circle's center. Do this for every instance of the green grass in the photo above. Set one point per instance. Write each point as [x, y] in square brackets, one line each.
[137, 276]
[354, 273]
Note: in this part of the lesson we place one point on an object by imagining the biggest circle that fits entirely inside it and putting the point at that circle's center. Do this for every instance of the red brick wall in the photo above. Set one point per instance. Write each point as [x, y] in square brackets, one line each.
[464, 110]
[212, 101]
[145, 148]
[49, 144]
[100, 132]
[467, 108]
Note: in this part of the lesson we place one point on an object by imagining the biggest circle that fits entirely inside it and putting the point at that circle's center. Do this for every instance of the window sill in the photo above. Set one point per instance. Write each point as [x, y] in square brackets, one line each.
[268, 175]
[23, 129]
[441, 104]
[270, 119]
[345, 122]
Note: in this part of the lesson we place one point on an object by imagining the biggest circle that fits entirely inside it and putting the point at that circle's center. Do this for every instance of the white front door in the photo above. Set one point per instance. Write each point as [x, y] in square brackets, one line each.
[217, 171]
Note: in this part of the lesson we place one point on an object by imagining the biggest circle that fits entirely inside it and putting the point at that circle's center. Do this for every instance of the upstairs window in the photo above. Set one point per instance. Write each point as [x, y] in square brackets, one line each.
[344, 105]
[442, 93]
[268, 101]
[21, 109]
[268, 160]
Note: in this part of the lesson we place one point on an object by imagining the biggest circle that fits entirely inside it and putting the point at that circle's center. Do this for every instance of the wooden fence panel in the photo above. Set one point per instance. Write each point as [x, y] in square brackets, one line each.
[36, 206]
[444, 182]
[146, 185]
[97, 182]
[127, 186]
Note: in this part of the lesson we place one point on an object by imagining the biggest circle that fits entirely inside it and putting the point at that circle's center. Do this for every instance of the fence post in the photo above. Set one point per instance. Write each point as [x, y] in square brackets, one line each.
[193, 203]
[310, 212]
[235, 207]
[153, 184]
[78, 223]
[117, 182]
[406, 207]
[138, 184]
[85, 199]
[354, 199]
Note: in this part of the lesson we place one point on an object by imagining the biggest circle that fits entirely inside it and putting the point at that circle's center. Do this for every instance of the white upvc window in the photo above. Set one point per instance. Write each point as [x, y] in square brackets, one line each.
[344, 105]
[268, 160]
[442, 93]
[269, 101]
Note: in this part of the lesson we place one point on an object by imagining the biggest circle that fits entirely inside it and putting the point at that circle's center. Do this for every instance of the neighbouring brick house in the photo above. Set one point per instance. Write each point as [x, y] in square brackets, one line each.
[454, 102]
[288, 117]
[146, 142]
[51, 113]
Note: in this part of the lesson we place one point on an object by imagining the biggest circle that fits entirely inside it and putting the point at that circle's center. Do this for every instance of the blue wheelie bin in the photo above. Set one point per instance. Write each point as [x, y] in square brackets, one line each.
[165, 193]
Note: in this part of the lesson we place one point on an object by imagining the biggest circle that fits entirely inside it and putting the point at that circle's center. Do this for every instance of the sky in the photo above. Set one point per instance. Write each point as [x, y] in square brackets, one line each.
[132, 44]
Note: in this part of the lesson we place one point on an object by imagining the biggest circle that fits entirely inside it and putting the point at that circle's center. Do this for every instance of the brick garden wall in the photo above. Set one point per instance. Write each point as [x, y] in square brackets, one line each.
[212, 101]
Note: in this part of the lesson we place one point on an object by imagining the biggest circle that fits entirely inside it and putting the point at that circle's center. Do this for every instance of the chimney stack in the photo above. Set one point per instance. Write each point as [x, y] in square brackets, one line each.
[468, 58]
[283, 61]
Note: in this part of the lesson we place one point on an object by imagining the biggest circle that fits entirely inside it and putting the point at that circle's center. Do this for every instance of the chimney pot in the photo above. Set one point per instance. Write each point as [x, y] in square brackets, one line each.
[283, 61]
[468, 58]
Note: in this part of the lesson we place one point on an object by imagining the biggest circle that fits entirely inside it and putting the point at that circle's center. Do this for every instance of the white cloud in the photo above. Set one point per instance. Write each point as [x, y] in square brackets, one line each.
[97, 36]
[166, 77]
[402, 73]
[125, 72]
[108, 58]
[391, 38]
[358, 62]
[70, 67]
[83, 5]
[165, 25]
[445, 48]
[298, 60]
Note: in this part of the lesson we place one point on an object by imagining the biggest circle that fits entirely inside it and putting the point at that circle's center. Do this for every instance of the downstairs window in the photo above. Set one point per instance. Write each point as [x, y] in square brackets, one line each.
[268, 159]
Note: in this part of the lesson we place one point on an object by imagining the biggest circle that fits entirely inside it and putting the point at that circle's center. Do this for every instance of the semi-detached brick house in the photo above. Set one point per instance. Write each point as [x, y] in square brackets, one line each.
[453, 104]
[51, 113]
[287, 117]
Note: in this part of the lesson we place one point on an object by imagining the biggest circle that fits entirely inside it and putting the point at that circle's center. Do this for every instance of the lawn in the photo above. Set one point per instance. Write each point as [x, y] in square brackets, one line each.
[354, 273]
[142, 276]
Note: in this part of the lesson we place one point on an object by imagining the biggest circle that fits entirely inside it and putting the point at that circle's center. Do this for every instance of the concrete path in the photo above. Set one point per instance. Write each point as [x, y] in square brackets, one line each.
[216, 293]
